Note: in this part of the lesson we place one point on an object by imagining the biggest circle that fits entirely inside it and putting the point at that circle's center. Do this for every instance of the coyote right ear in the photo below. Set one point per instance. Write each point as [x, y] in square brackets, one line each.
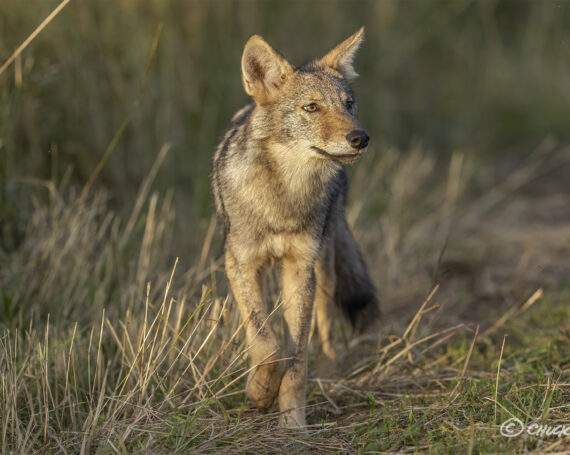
[263, 70]
[341, 57]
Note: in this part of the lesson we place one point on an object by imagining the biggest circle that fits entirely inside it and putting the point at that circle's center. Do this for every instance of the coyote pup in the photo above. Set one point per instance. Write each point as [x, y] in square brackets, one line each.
[280, 186]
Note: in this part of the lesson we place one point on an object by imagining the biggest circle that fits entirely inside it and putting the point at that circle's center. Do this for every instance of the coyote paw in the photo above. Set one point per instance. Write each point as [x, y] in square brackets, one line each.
[263, 385]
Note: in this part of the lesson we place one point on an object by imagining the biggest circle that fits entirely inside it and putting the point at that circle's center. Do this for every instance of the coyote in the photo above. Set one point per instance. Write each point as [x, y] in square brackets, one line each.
[280, 185]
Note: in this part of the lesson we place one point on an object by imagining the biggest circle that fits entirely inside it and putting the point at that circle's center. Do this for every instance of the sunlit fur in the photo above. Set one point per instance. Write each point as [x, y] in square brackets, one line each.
[280, 186]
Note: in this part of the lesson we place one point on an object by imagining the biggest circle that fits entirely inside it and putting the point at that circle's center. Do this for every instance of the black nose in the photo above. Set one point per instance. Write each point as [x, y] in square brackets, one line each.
[358, 139]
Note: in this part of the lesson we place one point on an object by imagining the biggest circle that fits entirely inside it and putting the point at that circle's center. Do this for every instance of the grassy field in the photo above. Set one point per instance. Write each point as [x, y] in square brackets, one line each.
[117, 332]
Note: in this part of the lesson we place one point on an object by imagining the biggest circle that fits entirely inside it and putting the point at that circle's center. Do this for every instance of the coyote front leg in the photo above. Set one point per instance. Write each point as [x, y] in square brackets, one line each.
[298, 295]
[247, 285]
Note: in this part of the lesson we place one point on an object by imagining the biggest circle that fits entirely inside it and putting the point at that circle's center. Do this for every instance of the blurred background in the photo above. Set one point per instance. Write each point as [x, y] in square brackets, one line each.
[108, 123]
[458, 97]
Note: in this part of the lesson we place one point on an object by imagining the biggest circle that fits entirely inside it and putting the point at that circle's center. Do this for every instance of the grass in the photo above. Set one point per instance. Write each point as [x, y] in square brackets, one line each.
[117, 330]
[106, 349]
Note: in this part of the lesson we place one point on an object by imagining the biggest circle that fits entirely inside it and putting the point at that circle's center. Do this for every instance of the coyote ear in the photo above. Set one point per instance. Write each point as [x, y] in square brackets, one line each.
[263, 70]
[341, 57]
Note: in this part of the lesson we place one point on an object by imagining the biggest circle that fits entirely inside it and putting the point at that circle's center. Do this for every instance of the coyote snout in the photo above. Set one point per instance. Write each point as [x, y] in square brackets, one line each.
[358, 139]
[280, 187]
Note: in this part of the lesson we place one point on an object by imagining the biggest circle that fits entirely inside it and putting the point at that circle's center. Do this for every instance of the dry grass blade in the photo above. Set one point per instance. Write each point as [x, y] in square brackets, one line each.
[498, 373]
[143, 193]
[417, 317]
[35, 33]
[410, 346]
[332, 403]
[515, 309]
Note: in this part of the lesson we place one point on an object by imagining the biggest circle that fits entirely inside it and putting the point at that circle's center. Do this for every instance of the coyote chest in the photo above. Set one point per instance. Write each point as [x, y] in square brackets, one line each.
[279, 215]
[287, 198]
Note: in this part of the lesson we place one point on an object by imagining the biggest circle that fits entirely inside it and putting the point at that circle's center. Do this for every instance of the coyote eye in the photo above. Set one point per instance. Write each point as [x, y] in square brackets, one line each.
[311, 107]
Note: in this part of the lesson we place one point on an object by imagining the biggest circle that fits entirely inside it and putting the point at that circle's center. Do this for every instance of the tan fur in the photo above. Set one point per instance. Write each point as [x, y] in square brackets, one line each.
[325, 311]
[279, 186]
[342, 56]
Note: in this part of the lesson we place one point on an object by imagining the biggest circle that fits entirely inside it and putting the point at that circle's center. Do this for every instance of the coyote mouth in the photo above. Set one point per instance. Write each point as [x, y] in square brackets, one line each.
[346, 158]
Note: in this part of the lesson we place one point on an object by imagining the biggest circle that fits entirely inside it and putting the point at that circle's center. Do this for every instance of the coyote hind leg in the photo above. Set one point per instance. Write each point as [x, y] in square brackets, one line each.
[325, 312]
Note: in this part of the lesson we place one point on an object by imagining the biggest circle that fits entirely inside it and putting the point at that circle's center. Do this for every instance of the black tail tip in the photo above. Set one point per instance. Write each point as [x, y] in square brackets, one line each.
[363, 313]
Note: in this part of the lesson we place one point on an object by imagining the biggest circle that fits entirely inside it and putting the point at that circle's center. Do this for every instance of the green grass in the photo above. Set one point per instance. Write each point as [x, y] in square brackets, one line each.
[117, 333]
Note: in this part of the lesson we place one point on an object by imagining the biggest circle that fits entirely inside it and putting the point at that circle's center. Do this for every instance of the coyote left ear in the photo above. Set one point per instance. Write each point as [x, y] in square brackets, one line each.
[263, 70]
[342, 56]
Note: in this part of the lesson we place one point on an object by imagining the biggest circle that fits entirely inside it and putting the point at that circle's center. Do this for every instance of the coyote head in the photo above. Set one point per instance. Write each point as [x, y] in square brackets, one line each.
[310, 109]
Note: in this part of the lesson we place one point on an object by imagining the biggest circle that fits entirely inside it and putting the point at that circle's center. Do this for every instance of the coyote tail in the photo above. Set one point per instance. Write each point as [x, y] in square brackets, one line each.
[354, 291]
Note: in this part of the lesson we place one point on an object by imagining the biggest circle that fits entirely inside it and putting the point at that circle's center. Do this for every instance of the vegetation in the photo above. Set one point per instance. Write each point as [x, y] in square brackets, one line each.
[117, 333]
